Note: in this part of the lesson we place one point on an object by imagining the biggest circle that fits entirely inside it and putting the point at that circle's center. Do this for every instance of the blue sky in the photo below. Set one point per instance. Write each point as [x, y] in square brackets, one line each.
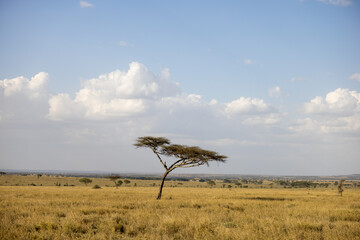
[249, 79]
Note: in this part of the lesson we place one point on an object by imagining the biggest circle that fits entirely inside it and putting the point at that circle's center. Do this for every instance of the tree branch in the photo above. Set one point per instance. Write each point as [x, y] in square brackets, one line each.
[164, 164]
[174, 165]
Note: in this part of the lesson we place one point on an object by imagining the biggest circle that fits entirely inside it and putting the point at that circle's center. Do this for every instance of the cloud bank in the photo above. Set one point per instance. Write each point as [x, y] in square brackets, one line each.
[139, 93]
[109, 111]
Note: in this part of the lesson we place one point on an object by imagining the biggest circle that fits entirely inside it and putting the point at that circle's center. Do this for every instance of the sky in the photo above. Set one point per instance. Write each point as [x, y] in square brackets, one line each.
[273, 85]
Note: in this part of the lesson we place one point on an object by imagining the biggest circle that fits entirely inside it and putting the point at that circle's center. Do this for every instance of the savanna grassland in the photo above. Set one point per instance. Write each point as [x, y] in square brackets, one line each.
[191, 210]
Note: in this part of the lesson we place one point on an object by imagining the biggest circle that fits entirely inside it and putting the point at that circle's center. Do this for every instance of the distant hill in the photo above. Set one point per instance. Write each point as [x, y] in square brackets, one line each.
[180, 175]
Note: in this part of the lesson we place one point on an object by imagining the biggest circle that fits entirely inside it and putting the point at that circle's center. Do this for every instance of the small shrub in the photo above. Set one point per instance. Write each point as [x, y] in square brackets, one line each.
[197, 206]
[172, 228]
[119, 228]
[230, 225]
[311, 227]
[96, 187]
[61, 215]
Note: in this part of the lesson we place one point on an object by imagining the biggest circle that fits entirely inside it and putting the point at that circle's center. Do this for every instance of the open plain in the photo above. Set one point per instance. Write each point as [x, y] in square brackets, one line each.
[188, 210]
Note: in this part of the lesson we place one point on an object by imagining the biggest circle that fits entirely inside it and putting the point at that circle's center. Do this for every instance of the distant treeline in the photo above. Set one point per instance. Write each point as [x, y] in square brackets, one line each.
[232, 178]
[302, 184]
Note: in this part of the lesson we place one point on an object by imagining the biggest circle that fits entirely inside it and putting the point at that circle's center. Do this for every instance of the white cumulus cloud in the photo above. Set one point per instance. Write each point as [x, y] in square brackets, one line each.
[32, 87]
[338, 112]
[341, 102]
[355, 76]
[116, 94]
[247, 106]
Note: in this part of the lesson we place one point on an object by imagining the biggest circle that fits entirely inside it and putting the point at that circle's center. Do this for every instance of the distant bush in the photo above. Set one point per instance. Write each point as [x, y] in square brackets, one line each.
[96, 187]
[303, 184]
[119, 183]
[68, 185]
[85, 180]
[211, 183]
[182, 179]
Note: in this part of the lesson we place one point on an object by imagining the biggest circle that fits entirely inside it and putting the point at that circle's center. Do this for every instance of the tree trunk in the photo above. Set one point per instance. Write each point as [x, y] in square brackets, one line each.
[162, 185]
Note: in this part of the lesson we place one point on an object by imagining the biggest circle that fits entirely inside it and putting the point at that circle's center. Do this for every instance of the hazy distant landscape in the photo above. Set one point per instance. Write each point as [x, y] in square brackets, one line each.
[174, 175]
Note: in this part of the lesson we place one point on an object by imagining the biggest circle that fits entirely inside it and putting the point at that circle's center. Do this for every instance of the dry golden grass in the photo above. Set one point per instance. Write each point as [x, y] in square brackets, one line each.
[49, 212]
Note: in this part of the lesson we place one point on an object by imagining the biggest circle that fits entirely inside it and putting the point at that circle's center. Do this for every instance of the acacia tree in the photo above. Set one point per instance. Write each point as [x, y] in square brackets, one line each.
[85, 180]
[340, 187]
[114, 179]
[186, 156]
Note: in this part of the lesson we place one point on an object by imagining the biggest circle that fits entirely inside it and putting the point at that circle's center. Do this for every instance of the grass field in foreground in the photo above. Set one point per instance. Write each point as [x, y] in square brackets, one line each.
[49, 212]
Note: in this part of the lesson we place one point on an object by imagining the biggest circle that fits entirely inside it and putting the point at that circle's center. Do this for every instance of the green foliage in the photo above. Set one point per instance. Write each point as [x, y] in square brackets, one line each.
[85, 180]
[114, 178]
[127, 181]
[96, 187]
[186, 156]
[151, 142]
[119, 183]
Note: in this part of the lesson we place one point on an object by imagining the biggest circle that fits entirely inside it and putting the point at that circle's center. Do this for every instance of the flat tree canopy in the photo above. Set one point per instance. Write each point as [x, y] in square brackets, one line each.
[185, 156]
[85, 180]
